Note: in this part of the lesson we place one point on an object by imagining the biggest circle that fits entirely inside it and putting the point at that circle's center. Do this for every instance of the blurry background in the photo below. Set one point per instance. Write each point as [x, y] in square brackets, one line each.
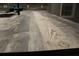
[66, 10]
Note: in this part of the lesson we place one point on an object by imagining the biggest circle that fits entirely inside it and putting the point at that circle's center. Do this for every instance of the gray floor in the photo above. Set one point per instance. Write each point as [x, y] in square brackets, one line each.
[33, 33]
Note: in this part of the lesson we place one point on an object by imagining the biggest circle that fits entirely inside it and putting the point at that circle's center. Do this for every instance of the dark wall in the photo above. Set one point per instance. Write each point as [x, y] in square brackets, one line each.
[77, 11]
[37, 6]
[2, 7]
[54, 8]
